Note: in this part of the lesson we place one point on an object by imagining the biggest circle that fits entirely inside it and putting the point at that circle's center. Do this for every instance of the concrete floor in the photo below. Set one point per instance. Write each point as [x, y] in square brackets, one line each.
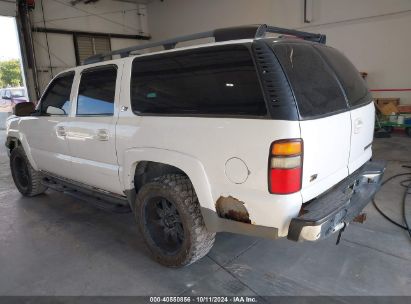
[56, 245]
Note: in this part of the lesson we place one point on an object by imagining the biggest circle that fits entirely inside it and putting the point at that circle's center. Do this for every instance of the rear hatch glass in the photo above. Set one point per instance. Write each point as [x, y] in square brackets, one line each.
[354, 86]
[322, 78]
[315, 86]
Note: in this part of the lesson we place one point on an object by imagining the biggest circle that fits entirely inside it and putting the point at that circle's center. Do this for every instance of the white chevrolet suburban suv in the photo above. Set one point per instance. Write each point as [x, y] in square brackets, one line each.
[252, 134]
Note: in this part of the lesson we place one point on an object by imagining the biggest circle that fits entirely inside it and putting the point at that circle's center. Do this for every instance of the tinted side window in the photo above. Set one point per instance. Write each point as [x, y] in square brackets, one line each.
[316, 90]
[353, 84]
[58, 94]
[210, 81]
[96, 92]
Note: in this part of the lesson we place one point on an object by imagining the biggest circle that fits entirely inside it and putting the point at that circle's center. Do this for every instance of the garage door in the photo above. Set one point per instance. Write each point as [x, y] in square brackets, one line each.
[8, 8]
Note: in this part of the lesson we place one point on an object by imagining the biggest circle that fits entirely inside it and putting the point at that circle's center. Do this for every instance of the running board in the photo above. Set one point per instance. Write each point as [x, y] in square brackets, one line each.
[100, 200]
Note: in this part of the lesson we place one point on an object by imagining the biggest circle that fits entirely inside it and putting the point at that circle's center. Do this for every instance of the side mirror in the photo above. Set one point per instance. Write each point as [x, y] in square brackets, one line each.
[55, 111]
[23, 109]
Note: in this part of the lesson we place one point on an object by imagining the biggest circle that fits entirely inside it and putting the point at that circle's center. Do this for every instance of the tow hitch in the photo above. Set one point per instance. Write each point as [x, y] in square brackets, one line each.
[358, 219]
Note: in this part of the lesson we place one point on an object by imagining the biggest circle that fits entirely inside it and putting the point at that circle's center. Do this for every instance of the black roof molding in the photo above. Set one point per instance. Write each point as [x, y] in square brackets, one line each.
[223, 34]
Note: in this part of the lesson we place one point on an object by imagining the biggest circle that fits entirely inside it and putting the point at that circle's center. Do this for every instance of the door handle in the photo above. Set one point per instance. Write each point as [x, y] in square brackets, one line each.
[61, 131]
[102, 134]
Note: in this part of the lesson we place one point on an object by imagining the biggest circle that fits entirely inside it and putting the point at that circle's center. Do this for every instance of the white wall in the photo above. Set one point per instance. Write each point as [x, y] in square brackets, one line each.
[374, 34]
[8, 8]
[104, 16]
[180, 17]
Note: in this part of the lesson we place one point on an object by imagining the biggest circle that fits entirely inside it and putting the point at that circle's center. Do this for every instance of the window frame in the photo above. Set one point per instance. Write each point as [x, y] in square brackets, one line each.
[39, 107]
[240, 116]
[93, 69]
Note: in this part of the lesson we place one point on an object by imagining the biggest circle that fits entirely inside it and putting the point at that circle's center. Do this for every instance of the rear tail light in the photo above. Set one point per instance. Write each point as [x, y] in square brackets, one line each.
[285, 166]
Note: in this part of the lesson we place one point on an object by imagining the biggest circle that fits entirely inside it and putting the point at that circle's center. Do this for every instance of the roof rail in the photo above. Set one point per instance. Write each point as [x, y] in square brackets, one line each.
[222, 34]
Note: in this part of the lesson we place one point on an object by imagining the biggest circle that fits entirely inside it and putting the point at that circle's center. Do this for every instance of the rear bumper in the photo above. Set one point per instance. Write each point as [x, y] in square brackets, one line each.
[328, 213]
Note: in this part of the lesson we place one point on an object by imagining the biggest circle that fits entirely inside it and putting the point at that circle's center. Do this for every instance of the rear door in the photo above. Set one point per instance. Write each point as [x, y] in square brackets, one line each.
[325, 120]
[91, 133]
[360, 101]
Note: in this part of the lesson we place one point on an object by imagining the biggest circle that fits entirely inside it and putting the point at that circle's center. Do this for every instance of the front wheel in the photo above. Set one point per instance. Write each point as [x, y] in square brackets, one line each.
[169, 217]
[26, 179]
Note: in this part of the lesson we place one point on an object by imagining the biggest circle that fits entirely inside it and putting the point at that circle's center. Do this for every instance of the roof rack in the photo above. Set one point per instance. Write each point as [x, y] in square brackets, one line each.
[222, 34]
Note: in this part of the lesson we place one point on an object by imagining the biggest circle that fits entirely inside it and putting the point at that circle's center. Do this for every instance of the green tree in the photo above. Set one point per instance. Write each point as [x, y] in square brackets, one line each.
[10, 73]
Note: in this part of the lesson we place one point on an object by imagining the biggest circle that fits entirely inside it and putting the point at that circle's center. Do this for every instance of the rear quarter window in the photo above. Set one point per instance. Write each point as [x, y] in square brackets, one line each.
[206, 81]
[314, 84]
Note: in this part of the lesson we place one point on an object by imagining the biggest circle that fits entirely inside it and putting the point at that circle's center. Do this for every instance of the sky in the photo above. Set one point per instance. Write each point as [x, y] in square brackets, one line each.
[9, 46]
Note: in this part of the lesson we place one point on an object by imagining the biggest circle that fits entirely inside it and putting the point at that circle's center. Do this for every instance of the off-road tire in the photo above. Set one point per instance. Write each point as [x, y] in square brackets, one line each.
[178, 190]
[32, 186]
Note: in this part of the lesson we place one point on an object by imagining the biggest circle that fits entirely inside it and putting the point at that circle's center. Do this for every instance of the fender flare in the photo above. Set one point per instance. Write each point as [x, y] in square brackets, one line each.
[23, 140]
[191, 166]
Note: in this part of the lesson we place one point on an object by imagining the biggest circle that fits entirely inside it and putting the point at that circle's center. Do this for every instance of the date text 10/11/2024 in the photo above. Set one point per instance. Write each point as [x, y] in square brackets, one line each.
[204, 299]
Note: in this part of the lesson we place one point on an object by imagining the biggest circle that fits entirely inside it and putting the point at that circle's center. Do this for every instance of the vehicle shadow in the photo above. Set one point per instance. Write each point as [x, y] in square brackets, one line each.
[76, 240]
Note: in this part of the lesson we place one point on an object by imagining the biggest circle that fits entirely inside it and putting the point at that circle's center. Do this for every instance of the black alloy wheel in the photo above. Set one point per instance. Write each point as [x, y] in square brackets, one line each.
[164, 225]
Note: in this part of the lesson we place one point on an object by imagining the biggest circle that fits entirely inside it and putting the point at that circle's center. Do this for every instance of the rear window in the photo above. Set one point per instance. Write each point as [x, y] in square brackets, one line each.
[353, 84]
[211, 81]
[97, 91]
[315, 87]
